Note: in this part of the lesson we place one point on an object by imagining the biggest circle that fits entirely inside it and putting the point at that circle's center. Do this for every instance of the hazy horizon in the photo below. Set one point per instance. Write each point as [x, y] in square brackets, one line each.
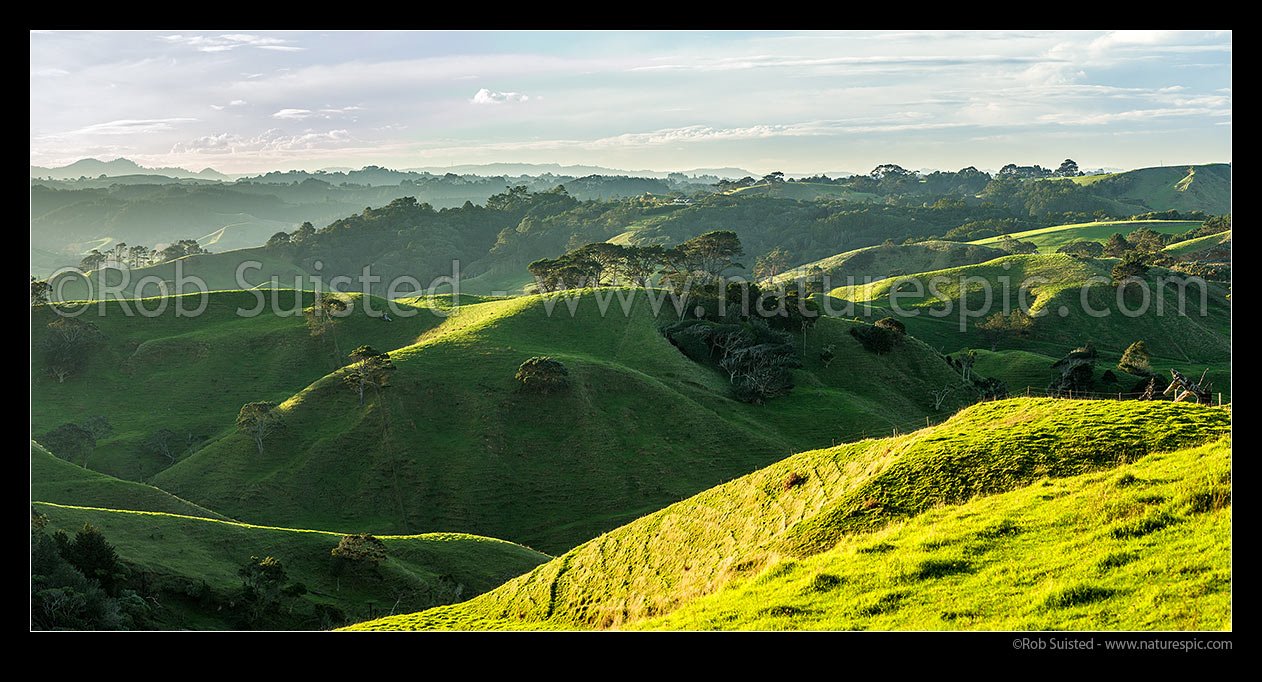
[247, 103]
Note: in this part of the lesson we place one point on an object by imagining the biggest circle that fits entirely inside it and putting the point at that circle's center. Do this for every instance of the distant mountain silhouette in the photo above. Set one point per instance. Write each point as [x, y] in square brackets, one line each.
[95, 168]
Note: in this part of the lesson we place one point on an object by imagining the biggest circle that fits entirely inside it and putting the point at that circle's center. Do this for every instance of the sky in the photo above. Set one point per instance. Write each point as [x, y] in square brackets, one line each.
[797, 102]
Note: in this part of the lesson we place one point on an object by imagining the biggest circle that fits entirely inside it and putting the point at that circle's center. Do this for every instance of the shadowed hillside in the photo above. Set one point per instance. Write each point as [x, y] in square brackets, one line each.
[453, 443]
[189, 568]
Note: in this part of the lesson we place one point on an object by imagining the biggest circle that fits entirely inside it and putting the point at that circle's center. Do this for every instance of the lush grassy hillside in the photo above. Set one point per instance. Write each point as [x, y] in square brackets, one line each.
[1185, 188]
[815, 502]
[1202, 335]
[58, 481]
[189, 567]
[878, 262]
[1213, 244]
[1049, 239]
[1144, 547]
[453, 444]
[192, 374]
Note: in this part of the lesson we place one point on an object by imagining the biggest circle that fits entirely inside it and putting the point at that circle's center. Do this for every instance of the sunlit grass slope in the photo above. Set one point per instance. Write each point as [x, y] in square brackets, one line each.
[813, 502]
[453, 444]
[876, 262]
[1185, 188]
[192, 374]
[1144, 547]
[55, 480]
[1208, 244]
[1057, 285]
[1048, 239]
[178, 554]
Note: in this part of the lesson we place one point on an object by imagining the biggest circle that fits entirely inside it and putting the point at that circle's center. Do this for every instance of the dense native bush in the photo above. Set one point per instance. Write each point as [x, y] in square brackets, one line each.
[758, 360]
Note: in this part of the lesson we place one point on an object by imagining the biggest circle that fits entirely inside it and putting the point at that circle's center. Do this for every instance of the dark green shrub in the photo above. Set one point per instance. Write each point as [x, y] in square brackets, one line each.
[542, 375]
[875, 339]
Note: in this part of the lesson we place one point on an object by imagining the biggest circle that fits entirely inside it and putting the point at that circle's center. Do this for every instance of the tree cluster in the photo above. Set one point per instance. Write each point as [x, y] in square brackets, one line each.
[1017, 323]
[77, 583]
[1075, 371]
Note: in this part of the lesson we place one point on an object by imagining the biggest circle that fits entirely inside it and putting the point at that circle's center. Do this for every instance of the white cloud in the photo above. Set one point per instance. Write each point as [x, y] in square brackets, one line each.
[130, 126]
[230, 41]
[485, 96]
[274, 140]
[1074, 119]
[297, 114]
[327, 113]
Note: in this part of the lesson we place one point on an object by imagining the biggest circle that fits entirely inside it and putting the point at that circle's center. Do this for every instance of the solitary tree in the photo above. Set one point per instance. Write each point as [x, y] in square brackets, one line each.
[771, 264]
[320, 318]
[163, 442]
[1135, 360]
[967, 359]
[370, 367]
[258, 420]
[358, 552]
[67, 346]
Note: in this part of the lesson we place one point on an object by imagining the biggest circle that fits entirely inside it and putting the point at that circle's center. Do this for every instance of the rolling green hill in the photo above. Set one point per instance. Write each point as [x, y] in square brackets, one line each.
[1145, 547]
[191, 375]
[1209, 245]
[1048, 239]
[1200, 336]
[58, 481]
[877, 262]
[1183, 188]
[453, 444]
[189, 567]
[824, 502]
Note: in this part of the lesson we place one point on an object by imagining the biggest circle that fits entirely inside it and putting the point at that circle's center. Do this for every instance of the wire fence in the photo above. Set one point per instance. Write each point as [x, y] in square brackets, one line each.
[1031, 392]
